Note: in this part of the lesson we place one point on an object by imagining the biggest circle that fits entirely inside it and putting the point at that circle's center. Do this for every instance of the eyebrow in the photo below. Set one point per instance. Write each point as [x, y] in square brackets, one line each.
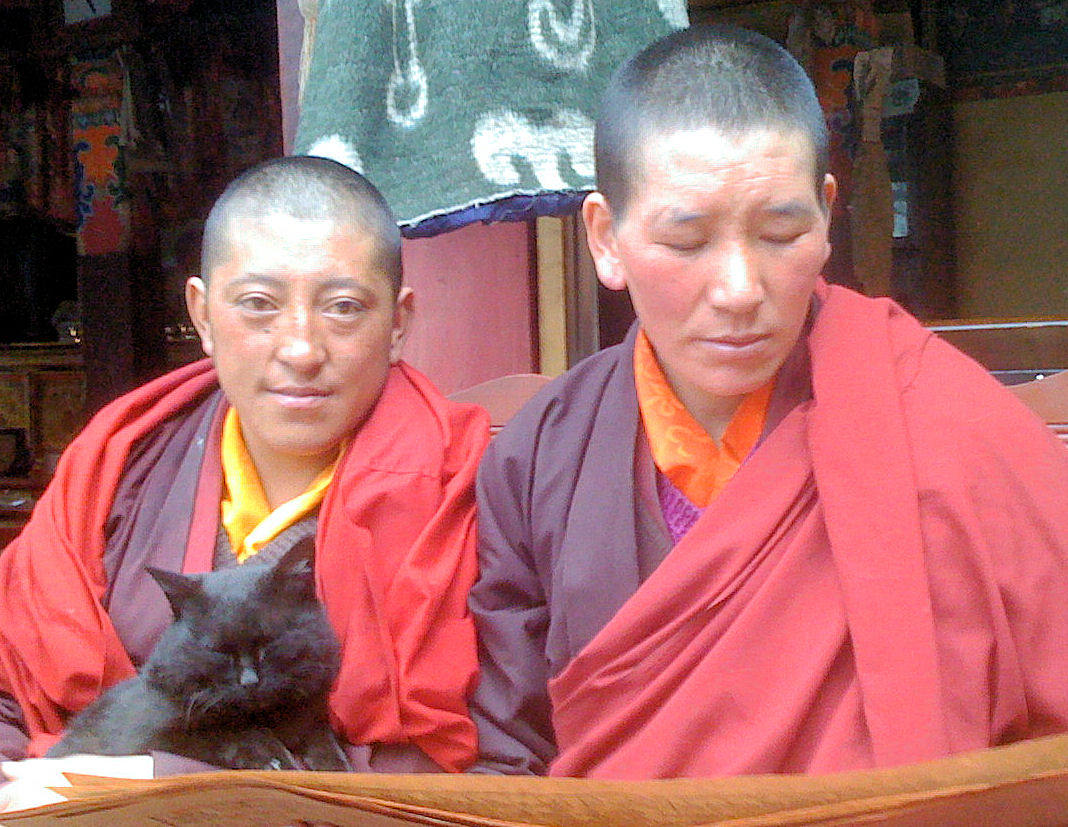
[330, 283]
[790, 209]
[253, 278]
[673, 216]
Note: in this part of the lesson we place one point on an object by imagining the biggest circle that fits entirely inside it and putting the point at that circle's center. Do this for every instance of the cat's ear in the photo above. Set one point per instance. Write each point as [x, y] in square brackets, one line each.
[298, 560]
[295, 567]
[178, 587]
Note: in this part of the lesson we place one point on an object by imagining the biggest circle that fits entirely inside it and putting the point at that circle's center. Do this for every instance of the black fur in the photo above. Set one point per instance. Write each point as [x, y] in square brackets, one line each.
[239, 680]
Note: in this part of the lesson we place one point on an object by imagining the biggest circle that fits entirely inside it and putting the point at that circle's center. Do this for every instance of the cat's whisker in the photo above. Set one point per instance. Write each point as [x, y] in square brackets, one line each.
[200, 703]
[190, 709]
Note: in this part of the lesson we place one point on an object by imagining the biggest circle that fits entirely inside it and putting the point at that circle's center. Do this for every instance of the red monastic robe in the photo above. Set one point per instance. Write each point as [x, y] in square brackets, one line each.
[883, 582]
[395, 559]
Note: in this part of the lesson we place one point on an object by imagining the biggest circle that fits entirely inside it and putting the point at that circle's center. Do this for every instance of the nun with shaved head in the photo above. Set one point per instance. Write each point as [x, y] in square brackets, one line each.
[781, 528]
[302, 422]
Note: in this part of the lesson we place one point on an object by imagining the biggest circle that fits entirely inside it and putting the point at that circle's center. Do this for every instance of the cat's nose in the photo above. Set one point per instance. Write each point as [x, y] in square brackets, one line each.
[248, 674]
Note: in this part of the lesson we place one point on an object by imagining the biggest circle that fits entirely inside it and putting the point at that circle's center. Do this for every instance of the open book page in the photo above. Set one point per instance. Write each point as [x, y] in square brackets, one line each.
[1021, 784]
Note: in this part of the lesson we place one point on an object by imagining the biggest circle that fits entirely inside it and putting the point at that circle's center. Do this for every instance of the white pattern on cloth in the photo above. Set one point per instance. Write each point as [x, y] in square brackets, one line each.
[566, 44]
[501, 138]
[337, 149]
[407, 92]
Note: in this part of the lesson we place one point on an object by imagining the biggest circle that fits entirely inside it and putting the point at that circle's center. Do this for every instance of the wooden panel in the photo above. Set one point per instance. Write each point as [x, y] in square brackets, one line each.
[15, 400]
[9, 532]
[504, 396]
[1048, 397]
[1010, 169]
[290, 40]
[28, 357]
[15, 508]
[1031, 346]
[16, 414]
[583, 324]
[552, 296]
[61, 402]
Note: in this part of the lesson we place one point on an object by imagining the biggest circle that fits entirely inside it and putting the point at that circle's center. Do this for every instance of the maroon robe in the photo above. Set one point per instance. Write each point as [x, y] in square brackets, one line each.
[883, 581]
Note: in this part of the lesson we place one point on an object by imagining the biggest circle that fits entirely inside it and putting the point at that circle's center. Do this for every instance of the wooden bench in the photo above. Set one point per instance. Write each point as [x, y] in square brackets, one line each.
[1048, 397]
[502, 396]
[1014, 351]
[1028, 355]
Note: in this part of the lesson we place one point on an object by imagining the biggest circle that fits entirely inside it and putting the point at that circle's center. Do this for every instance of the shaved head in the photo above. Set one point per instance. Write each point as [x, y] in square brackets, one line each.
[309, 188]
[718, 77]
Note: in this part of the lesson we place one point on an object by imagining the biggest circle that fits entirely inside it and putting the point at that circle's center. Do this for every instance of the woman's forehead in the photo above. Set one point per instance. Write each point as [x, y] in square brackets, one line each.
[703, 160]
[712, 142]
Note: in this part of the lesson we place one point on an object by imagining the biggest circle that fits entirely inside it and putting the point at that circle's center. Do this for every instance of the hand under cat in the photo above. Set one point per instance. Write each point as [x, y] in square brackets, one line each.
[29, 781]
[257, 749]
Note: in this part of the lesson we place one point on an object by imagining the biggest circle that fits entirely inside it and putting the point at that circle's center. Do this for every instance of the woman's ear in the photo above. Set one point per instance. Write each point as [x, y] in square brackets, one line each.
[403, 308]
[601, 238]
[830, 191]
[196, 303]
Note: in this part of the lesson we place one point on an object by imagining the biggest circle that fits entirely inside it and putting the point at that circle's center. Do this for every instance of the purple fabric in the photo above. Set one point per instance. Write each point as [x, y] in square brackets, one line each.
[13, 737]
[510, 208]
[679, 512]
[149, 525]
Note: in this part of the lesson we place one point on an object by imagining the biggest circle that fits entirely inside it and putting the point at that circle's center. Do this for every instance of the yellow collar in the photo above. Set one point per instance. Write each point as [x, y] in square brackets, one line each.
[246, 516]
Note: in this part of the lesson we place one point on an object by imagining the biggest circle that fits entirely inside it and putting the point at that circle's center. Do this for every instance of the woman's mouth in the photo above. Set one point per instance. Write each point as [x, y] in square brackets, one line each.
[299, 397]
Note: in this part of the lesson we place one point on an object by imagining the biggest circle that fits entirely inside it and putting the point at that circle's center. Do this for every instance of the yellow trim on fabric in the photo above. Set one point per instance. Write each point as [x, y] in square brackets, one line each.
[683, 451]
[246, 516]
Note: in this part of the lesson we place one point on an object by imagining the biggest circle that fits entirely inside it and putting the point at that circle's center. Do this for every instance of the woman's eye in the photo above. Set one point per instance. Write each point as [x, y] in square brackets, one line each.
[786, 234]
[683, 245]
[344, 307]
[256, 304]
[781, 238]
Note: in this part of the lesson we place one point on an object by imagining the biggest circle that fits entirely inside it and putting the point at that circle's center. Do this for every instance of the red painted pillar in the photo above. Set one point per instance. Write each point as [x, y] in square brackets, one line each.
[475, 315]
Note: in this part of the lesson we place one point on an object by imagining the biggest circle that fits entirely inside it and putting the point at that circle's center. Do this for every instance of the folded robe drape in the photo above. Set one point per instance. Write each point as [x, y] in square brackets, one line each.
[883, 582]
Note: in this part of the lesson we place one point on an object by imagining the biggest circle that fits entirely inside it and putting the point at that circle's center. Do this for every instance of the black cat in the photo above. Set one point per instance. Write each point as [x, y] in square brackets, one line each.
[239, 680]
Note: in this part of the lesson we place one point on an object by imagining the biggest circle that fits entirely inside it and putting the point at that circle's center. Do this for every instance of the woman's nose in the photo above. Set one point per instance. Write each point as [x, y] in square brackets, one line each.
[735, 282]
[299, 342]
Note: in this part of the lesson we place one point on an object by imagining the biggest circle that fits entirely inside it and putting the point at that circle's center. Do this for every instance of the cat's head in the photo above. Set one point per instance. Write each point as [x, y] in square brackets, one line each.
[291, 576]
[244, 639]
